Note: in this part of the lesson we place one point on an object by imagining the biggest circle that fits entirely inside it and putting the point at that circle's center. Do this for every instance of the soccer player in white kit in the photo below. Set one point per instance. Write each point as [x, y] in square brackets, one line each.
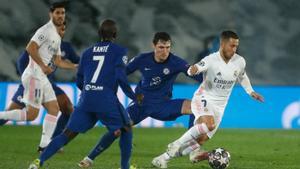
[220, 70]
[44, 51]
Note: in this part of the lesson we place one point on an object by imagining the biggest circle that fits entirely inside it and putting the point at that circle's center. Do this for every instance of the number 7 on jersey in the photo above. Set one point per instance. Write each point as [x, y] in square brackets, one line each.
[100, 60]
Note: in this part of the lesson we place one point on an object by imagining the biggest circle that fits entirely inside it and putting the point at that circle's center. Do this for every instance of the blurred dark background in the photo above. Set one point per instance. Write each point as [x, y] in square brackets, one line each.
[269, 31]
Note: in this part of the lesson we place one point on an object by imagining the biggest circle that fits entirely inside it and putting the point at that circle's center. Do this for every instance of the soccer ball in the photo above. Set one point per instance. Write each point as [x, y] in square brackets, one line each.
[219, 158]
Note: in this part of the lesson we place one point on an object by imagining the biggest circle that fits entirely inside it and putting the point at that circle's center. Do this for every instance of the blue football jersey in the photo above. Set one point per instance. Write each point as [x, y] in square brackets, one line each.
[67, 53]
[100, 72]
[157, 78]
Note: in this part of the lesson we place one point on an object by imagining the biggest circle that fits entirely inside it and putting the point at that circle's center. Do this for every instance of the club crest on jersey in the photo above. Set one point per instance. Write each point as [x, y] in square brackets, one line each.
[166, 71]
[125, 59]
[235, 74]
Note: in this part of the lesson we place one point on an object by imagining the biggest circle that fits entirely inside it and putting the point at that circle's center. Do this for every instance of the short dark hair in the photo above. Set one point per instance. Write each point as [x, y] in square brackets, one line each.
[164, 36]
[225, 35]
[108, 30]
[54, 5]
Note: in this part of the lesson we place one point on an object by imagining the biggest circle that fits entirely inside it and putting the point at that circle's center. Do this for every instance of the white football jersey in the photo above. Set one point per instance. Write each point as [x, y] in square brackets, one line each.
[220, 77]
[49, 42]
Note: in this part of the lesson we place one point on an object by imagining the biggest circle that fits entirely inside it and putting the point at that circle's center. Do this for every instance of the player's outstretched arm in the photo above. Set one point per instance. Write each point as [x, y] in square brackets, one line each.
[257, 96]
[64, 64]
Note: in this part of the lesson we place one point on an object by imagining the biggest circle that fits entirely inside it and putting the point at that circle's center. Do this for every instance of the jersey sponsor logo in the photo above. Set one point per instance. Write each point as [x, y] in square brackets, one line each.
[155, 81]
[166, 71]
[146, 69]
[125, 59]
[219, 74]
[223, 84]
[93, 87]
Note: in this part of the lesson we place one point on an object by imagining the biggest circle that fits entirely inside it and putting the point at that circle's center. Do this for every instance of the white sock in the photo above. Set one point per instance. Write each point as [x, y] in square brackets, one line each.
[49, 125]
[193, 133]
[17, 114]
[189, 147]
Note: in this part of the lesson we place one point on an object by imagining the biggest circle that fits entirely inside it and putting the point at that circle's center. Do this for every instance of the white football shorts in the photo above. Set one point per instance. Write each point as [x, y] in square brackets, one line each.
[37, 90]
[202, 106]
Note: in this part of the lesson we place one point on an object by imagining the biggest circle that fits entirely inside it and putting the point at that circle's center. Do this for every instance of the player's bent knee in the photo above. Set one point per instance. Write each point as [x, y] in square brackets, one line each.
[211, 127]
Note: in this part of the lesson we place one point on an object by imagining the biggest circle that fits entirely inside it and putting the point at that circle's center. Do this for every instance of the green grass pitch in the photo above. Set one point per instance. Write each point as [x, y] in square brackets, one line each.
[250, 149]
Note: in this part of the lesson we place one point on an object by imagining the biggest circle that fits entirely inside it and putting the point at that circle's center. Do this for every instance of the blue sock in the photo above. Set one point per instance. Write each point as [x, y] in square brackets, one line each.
[106, 140]
[57, 143]
[125, 144]
[191, 121]
[61, 124]
[2, 122]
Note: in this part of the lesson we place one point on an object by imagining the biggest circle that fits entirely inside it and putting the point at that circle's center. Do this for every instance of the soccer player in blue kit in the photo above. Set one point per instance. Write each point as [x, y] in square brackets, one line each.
[65, 105]
[100, 72]
[159, 70]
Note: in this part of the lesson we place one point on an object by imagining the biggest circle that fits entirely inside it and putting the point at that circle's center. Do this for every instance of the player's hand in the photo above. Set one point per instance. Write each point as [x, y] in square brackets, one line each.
[257, 96]
[193, 70]
[139, 98]
[47, 70]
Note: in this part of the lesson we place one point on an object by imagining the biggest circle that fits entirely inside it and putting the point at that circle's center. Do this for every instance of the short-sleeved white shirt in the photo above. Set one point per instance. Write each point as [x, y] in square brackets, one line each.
[219, 77]
[49, 42]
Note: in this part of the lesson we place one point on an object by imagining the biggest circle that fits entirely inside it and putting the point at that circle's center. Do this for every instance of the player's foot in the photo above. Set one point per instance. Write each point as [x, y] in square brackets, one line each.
[173, 150]
[160, 162]
[2, 122]
[198, 155]
[35, 164]
[85, 163]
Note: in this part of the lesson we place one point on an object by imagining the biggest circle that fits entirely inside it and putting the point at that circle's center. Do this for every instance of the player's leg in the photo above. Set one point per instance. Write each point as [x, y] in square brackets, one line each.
[118, 124]
[80, 122]
[17, 111]
[49, 123]
[205, 122]
[51, 105]
[16, 102]
[186, 109]
[125, 141]
[66, 108]
[137, 112]
[57, 143]
[187, 142]
[167, 111]
[12, 106]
